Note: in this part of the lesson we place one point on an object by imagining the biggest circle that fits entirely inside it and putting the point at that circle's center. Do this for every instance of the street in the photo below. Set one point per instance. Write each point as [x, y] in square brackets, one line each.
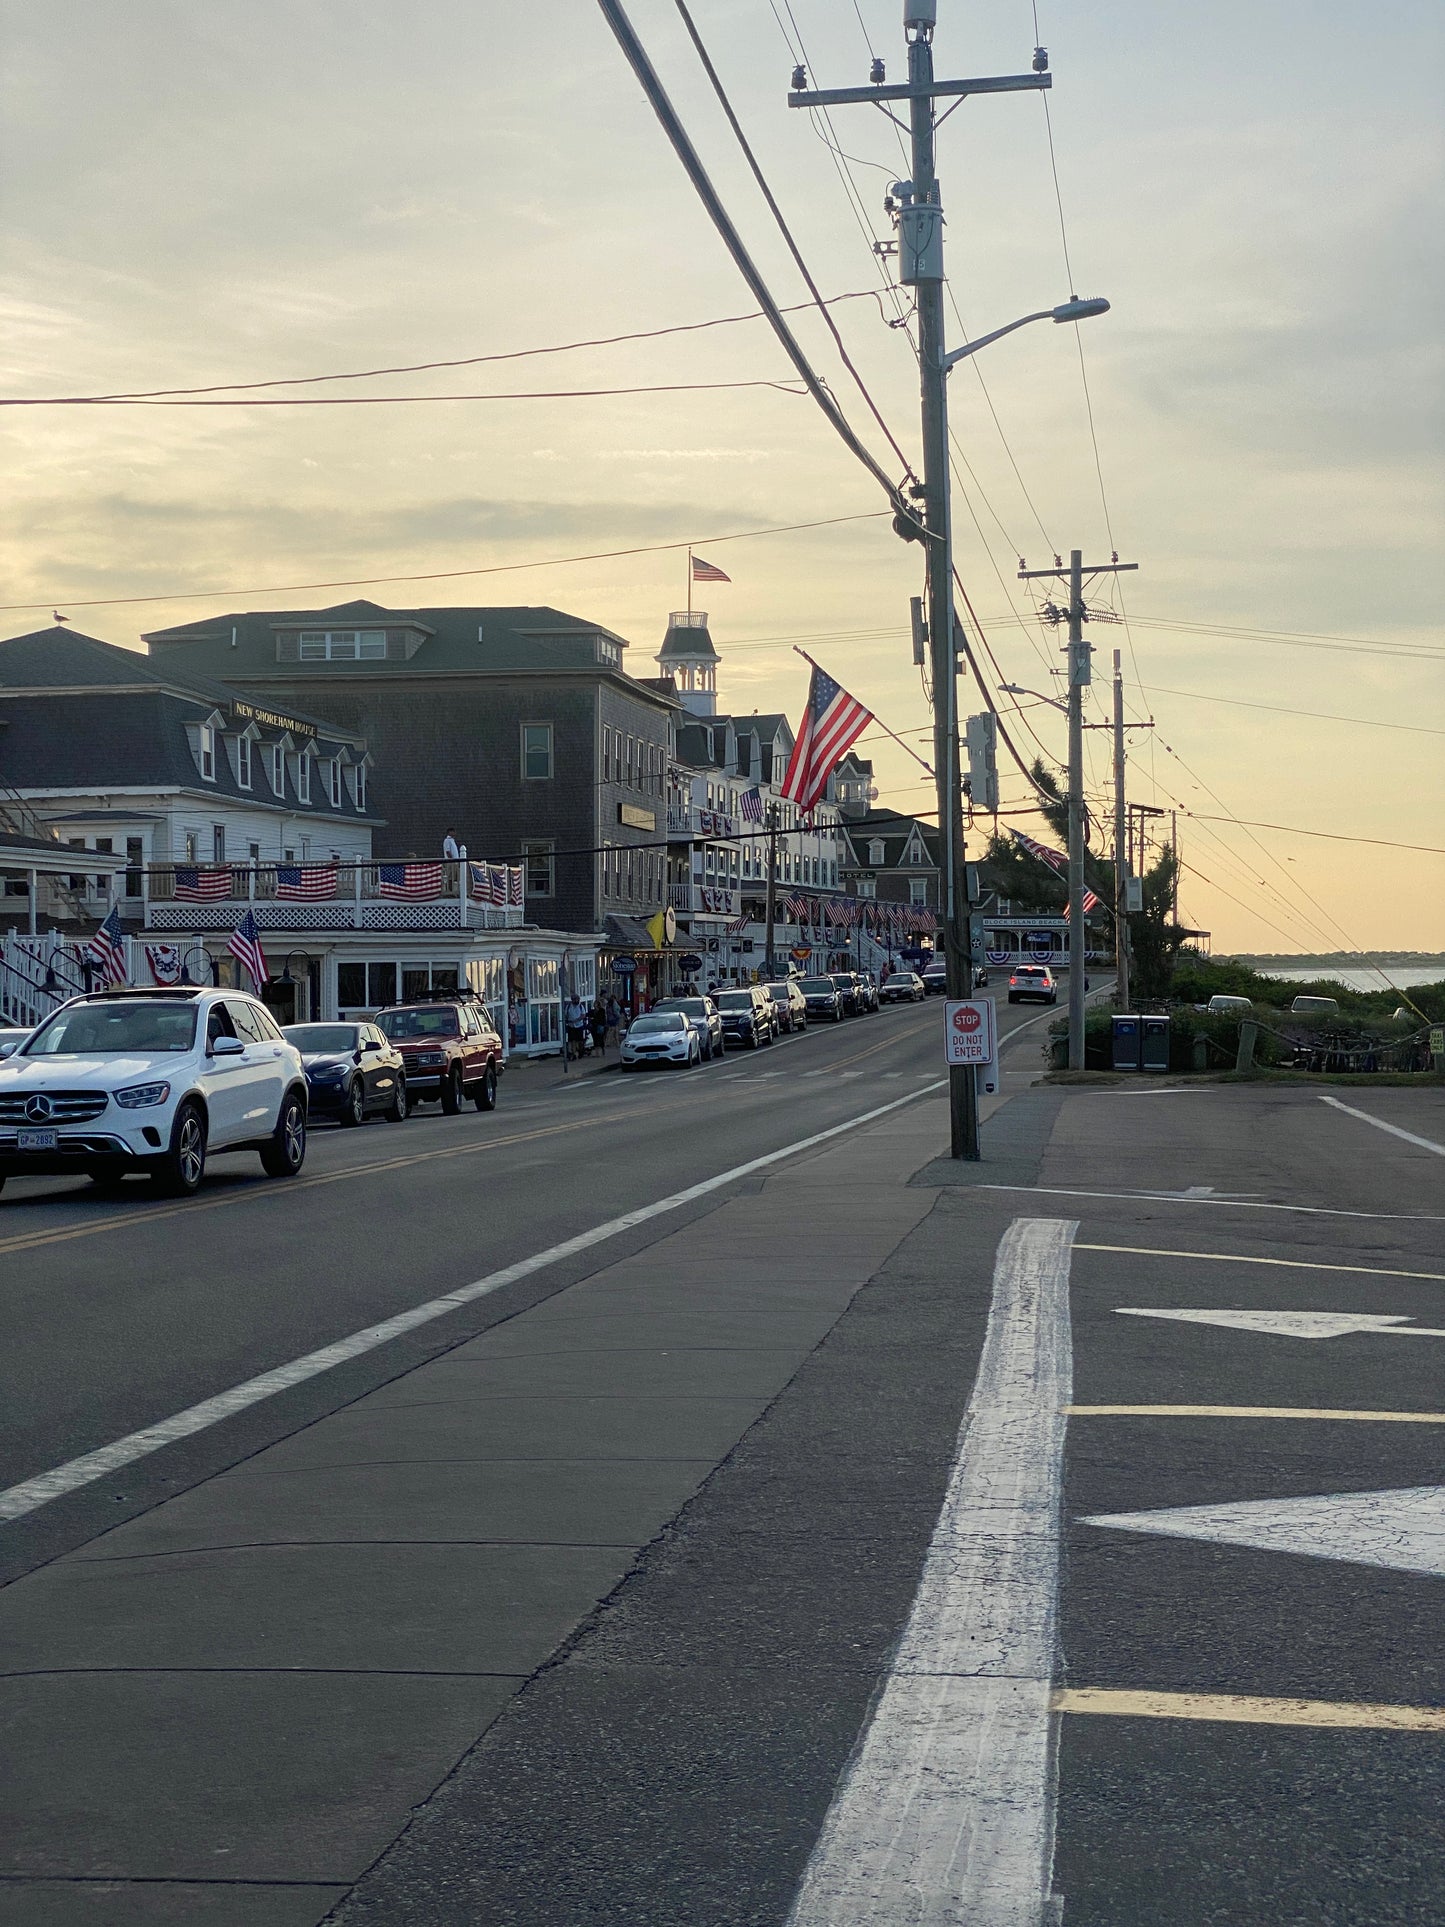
[664, 1580]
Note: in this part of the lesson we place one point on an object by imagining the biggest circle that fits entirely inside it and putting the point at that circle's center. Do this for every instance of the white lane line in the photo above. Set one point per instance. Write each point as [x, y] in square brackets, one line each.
[1228, 1204]
[75, 1473]
[1286, 1264]
[1425, 1143]
[946, 1814]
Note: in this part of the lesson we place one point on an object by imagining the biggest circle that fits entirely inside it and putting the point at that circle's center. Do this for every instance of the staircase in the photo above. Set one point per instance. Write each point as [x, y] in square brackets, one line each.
[37, 974]
[17, 816]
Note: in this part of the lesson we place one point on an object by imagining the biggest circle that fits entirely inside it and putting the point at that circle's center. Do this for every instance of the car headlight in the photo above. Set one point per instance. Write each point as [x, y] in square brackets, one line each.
[327, 1073]
[136, 1097]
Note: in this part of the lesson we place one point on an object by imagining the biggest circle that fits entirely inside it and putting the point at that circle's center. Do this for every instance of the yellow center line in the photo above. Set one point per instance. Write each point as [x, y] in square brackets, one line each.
[1246, 1708]
[1252, 1411]
[1288, 1264]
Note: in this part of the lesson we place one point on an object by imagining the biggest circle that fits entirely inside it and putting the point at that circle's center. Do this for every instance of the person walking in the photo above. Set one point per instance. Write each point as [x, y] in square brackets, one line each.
[614, 1017]
[597, 1024]
[575, 1019]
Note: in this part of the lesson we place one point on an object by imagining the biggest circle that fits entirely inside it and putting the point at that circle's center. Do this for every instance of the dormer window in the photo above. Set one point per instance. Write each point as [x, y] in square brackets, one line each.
[243, 762]
[278, 768]
[608, 653]
[303, 778]
[361, 786]
[333, 781]
[875, 852]
[207, 752]
[342, 645]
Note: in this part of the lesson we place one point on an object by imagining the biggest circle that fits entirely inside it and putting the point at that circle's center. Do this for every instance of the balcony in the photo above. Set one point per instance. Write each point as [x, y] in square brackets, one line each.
[689, 824]
[705, 900]
[376, 894]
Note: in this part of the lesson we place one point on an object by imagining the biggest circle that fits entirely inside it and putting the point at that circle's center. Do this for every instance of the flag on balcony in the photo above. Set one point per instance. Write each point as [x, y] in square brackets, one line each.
[738, 925]
[305, 882]
[516, 886]
[706, 571]
[409, 882]
[244, 943]
[195, 885]
[483, 883]
[106, 950]
[751, 805]
[832, 720]
[1055, 859]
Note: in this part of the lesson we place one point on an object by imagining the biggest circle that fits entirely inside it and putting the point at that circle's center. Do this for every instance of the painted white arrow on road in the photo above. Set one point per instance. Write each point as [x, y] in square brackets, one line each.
[1404, 1530]
[1296, 1324]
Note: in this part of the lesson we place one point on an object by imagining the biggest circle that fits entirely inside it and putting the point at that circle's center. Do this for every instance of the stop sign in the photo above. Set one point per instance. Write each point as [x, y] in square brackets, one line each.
[967, 1019]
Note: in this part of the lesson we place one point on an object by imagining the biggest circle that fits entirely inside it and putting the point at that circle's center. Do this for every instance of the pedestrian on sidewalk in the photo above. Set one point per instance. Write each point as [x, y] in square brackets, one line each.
[614, 1017]
[597, 1024]
[575, 1018]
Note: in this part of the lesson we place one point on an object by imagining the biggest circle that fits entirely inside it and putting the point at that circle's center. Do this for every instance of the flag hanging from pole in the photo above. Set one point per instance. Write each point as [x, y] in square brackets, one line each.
[106, 950]
[832, 720]
[244, 943]
[1091, 902]
[750, 803]
[1055, 859]
[706, 571]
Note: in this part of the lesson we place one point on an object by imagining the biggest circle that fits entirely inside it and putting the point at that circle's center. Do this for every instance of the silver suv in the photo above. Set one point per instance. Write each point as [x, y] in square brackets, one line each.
[153, 1081]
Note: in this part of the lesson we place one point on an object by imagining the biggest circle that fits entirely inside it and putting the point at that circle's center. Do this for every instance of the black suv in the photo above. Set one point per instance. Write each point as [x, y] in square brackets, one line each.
[823, 999]
[747, 1016]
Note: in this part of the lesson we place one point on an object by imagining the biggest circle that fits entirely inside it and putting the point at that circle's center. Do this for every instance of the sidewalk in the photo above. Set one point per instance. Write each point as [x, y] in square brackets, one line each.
[223, 1711]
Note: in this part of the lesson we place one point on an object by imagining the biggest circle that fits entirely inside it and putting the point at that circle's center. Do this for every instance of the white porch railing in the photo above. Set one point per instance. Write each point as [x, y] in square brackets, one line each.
[376, 894]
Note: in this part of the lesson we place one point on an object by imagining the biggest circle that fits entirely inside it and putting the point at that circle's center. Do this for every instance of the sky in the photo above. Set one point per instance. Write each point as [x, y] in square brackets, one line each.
[232, 193]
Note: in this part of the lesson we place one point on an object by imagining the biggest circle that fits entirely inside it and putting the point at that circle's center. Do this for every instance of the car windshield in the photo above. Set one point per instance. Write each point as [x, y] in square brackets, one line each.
[694, 1006]
[97, 1030]
[322, 1037]
[657, 1020]
[734, 1000]
[431, 1021]
[778, 993]
[903, 982]
[1030, 970]
[819, 986]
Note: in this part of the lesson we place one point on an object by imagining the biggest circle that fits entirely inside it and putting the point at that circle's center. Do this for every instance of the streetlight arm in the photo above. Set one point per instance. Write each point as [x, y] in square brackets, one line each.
[1017, 689]
[1073, 310]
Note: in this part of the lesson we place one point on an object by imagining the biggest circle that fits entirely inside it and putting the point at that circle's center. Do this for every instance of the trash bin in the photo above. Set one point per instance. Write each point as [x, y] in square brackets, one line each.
[1127, 1039]
[1154, 1043]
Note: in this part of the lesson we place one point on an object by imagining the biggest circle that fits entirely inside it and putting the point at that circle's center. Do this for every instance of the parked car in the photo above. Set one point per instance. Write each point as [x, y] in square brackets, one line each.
[1033, 983]
[935, 978]
[822, 999]
[661, 1037]
[1219, 1003]
[11, 1040]
[352, 1072]
[747, 1016]
[1315, 1006]
[449, 1049]
[865, 990]
[903, 987]
[705, 1017]
[790, 1008]
[848, 992]
[123, 1081]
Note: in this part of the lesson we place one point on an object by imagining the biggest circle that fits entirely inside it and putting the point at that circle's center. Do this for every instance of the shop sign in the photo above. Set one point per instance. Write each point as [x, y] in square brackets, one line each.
[250, 713]
[624, 966]
[634, 818]
[689, 963]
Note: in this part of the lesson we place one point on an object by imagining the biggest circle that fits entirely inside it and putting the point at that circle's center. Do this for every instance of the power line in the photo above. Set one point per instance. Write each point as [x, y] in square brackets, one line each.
[777, 213]
[687, 154]
[389, 401]
[1331, 836]
[1280, 709]
[441, 575]
[427, 367]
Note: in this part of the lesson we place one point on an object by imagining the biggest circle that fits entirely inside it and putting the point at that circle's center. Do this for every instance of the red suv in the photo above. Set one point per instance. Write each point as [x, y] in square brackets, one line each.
[450, 1051]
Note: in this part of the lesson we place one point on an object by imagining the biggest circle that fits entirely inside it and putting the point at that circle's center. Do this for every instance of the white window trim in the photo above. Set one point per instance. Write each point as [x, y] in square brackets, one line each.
[538, 723]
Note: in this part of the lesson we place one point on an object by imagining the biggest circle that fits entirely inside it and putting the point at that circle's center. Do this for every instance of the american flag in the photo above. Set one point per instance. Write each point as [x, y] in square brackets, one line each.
[1055, 859]
[751, 805]
[411, 882]
[832, 720]
[305, 883]
[1091, 902]
[796, 908]
[244, 943]
[515, 885]
[707, 571]
[488, 883]
[201, 886]
[737, 926]
[106, 950]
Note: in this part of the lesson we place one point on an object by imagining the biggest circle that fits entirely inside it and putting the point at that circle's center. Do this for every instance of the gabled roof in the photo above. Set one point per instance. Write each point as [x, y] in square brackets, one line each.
[894, 831]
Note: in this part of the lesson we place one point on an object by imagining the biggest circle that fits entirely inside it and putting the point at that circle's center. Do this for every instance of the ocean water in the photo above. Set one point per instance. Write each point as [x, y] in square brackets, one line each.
[1403, 976]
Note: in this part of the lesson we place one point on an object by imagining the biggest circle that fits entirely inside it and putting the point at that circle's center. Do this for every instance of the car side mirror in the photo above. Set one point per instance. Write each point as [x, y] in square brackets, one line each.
[369, 1043]
[227, 1047]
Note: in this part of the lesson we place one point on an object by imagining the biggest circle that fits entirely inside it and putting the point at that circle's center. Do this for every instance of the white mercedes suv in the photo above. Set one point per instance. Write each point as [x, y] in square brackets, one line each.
[121, 1081]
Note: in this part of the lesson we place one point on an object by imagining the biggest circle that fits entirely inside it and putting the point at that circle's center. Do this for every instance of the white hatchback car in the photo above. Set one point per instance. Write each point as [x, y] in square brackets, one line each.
[123, 1081]
[661, 1037]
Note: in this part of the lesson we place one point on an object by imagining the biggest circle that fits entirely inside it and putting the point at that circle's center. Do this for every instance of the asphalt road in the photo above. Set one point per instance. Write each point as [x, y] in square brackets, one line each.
[120, 1314]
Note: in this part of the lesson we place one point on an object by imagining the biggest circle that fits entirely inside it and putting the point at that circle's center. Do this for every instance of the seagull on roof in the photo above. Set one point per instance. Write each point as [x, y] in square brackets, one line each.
[58, 616]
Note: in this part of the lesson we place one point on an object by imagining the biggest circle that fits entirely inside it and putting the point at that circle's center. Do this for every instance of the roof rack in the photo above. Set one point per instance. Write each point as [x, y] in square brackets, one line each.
[145, 990]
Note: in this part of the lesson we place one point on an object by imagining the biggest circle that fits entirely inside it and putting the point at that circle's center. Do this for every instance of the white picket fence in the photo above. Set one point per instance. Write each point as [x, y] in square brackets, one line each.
[37, 974]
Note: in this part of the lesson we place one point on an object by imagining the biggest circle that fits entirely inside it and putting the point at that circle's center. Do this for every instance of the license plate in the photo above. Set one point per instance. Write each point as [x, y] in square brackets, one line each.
[38, 1140]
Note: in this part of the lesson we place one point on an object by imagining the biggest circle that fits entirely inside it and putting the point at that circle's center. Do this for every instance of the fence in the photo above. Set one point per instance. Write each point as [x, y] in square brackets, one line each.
[374, 894]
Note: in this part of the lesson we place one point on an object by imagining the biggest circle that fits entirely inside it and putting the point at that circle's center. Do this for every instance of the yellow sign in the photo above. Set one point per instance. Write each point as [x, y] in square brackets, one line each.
[635, 818]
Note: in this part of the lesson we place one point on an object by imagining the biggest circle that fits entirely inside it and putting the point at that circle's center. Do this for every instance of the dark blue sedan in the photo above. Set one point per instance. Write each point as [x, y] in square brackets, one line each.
[352, 1072]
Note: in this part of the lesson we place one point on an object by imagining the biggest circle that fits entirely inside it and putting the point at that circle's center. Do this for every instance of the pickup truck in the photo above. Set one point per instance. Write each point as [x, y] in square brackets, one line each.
[450, 1049]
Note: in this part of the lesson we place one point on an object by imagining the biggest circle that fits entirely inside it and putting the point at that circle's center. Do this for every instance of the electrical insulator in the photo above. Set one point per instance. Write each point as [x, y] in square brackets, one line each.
[1041, 60]
[800, 79]
[877, 73]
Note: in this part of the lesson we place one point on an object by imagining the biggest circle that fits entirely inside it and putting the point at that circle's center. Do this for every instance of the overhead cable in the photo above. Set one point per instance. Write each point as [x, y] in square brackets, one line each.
[687, 154]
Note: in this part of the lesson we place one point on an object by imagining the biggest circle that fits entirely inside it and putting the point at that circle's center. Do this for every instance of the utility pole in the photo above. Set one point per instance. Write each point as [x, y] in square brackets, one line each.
[772, 898]
[1080, 676]
[920, 266]
[1121, 860]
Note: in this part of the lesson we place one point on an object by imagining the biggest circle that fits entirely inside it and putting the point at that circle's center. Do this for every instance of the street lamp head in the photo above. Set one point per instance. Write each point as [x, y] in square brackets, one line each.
[1076, 310]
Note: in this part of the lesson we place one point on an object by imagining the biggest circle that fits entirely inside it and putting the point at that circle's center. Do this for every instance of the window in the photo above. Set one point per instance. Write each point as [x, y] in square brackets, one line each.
[875, 852]
[540, 867]
[342, 645]
[278, 768]
[208, 753]
[537, 752]
[134, 860]
[606, 752]
[918, 890]
[243, 1016]
[191, 843]
[243, 762]
[303, 778]
[333, 781]
[380, 984]
[218, 843]
[867, 888]
[361, 786]
[627, 764]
